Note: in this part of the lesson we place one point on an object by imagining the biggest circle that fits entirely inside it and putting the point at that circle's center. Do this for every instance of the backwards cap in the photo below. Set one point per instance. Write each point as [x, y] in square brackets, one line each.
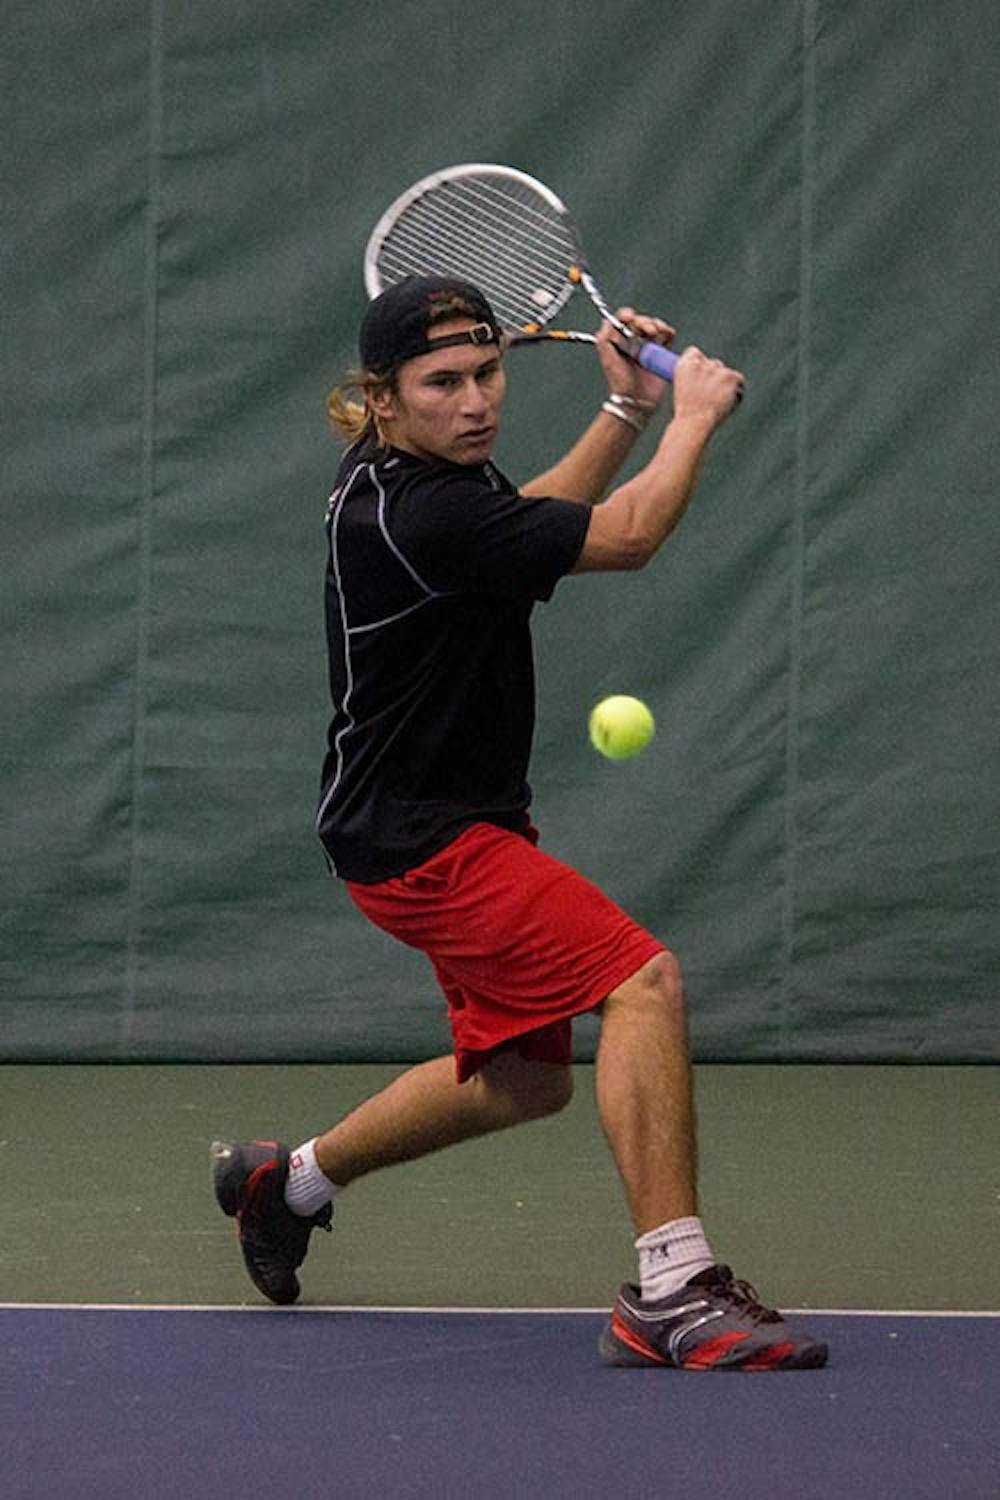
[396, 324]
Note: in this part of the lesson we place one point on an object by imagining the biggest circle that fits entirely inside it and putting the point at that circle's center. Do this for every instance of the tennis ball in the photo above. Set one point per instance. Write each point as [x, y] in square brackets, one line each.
[621, 727]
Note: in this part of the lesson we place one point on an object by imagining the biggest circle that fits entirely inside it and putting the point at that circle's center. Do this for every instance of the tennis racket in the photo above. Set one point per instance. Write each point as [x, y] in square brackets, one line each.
[511, 237]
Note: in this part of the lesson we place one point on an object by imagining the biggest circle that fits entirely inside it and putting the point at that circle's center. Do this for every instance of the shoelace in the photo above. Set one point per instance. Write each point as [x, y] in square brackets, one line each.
[745, 1297]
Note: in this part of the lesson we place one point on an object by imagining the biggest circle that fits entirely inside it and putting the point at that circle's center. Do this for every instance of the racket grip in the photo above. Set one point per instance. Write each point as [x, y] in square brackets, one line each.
[656, 359]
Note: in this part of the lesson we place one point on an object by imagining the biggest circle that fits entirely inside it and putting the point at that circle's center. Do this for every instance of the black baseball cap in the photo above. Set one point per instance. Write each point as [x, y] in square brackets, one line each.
[395, 326]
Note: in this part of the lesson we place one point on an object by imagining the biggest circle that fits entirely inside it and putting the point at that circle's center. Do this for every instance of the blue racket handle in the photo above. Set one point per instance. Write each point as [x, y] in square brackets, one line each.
[654, 357]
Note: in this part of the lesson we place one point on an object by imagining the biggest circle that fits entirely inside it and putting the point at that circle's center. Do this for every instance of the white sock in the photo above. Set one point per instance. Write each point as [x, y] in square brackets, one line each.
[307, 1188]
[670, 1256]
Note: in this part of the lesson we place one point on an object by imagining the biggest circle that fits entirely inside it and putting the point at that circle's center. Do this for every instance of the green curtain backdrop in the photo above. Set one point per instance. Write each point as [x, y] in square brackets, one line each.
[805, 188]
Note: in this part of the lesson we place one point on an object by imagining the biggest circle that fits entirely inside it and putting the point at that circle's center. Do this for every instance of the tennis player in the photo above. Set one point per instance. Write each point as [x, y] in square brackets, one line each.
[435, 562]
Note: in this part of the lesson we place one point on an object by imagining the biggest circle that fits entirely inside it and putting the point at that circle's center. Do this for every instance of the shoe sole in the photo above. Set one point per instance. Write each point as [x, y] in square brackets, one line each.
[614, 1352]
[619, 1355]
[228, 1175]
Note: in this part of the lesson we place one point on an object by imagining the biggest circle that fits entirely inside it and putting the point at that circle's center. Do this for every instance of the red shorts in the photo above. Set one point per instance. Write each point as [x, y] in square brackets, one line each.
[520, 943]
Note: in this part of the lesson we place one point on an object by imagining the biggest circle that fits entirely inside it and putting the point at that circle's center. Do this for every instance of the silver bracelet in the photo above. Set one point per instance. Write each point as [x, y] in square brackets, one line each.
[635, 419]
[619, 398]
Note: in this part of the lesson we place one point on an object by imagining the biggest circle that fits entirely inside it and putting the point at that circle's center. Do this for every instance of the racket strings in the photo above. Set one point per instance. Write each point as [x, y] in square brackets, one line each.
[518, 285]
[512, 265]
[513, 245]
[511, 208]
[475, 233]
[466, 246]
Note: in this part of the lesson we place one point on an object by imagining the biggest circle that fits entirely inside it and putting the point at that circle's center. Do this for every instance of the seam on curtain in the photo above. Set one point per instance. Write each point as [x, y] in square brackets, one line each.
[807, 194]
[146, 497]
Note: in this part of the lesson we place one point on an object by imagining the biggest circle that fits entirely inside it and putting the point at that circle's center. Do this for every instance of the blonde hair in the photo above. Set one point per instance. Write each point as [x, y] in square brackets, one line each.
[351, 418]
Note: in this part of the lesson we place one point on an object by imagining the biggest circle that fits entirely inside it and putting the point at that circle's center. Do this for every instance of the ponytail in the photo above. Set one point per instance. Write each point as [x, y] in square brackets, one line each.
[352, 418]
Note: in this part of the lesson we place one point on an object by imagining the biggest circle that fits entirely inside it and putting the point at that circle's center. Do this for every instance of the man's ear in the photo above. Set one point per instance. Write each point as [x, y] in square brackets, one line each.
[382, 400]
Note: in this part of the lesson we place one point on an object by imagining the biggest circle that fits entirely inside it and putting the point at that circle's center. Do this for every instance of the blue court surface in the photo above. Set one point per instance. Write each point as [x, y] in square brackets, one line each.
[102, 1403]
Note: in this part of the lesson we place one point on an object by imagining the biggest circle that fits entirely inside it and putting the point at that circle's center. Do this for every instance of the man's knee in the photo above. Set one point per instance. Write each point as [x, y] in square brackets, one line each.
[532, 1089]
[549, 1091]
[657, 987]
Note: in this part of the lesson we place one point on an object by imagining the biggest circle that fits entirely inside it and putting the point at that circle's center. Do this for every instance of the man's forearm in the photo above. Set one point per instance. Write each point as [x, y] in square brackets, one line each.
[640, 514]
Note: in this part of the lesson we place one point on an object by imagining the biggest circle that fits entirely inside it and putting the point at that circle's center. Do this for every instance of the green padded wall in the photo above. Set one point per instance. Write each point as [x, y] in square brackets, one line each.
[805, 188]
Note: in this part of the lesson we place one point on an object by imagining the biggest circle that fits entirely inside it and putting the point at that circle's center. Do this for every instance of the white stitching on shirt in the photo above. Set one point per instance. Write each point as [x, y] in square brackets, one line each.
[336, 507]
[391, 619]
[432, 593]
[334, 510]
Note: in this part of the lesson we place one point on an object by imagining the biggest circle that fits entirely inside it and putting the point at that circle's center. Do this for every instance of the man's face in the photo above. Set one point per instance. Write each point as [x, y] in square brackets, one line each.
[446, 404]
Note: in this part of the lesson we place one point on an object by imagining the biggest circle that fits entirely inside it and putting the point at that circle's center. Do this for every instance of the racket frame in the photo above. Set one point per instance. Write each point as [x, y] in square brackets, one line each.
[645, 352]
[578, 273]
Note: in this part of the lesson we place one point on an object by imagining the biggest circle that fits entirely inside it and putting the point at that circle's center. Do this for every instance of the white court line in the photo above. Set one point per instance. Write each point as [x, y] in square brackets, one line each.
[327, 1310]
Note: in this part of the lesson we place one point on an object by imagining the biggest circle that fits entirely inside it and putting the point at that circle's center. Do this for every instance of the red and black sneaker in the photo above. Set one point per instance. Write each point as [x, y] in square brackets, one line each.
[249, 1179]
[712, 1323]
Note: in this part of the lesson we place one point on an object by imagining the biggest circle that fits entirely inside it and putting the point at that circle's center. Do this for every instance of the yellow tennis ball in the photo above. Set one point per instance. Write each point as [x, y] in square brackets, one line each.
[621, 727]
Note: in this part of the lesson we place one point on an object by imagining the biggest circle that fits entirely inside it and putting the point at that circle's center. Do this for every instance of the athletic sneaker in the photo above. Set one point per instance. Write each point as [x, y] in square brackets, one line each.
[713, 1323]
[249, 1179]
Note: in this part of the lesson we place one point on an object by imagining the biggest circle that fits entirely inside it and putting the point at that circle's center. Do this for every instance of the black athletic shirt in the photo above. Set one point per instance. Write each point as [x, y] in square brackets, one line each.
[432, 572]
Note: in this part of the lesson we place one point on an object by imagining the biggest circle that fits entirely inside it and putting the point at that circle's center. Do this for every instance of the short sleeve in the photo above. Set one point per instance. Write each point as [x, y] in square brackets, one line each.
[462, 535]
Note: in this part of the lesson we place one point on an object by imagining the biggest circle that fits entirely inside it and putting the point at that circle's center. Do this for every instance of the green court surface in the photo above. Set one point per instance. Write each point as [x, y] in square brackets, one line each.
[856, 1187]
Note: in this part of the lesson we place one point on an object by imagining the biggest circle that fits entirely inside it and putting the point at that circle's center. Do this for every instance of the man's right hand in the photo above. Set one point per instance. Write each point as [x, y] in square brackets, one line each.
[705, 388]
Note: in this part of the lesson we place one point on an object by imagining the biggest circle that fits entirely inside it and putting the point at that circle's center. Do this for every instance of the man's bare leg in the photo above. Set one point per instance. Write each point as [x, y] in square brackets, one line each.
[424, 1110]
[644, 1094]
[645, 1099]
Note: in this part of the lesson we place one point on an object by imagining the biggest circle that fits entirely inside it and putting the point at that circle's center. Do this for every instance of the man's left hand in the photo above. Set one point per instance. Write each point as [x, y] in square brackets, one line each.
[623, 375]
